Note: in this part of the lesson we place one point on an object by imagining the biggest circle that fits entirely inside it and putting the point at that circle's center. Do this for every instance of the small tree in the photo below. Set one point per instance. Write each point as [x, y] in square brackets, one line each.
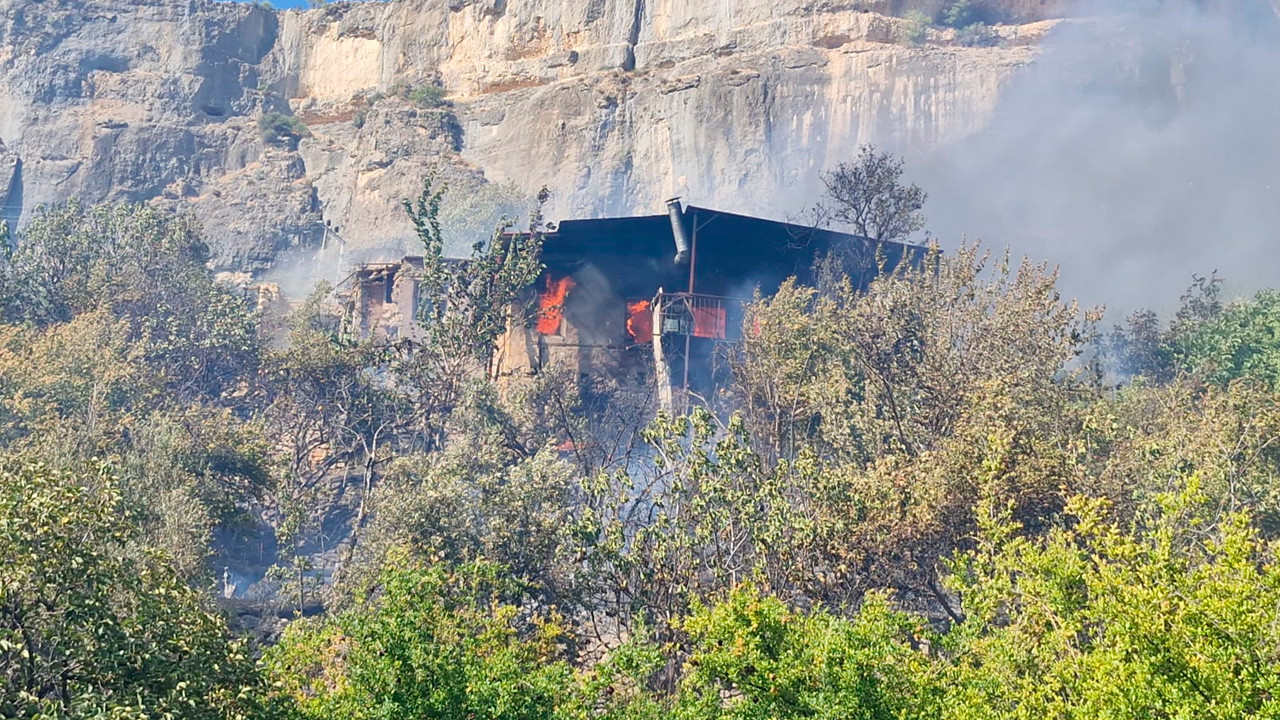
[870, 197]
[134, 264]
[960, 14]
[469, 304]
[977, 34]
[91, 626]
[915, 30]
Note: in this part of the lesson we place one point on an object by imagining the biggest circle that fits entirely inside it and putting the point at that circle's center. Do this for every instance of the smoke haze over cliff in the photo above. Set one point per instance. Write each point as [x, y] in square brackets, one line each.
[1140, 148]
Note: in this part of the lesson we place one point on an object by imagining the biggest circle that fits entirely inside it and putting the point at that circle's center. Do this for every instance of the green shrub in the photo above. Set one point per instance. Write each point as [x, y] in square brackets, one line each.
[436, 642]
[281, 129]
[753, 657]
[977, 34]
[93, 628]
[961, 14]
[427, 96]
[1237, 341]
[915, 30]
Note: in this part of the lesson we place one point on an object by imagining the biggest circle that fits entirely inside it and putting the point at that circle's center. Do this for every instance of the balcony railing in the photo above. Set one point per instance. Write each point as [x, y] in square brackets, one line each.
[686, 315]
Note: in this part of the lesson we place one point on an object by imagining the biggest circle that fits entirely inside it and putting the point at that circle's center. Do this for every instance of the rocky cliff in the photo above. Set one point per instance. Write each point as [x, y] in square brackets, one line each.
[612, 104]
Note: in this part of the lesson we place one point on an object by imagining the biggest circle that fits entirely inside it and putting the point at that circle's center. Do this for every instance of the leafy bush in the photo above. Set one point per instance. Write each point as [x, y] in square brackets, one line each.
[1212, 340]
[915, 28]
[89, 626]
[773, 662]
[977, 34]
[120, 344]
[436, 642]
[1177, 620]
[281, 129]
[1243, 340]
[960, 13]
[427, 96]
[140, 266]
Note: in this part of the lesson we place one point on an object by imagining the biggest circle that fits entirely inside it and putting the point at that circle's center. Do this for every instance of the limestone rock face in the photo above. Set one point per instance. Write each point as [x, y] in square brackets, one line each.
[143, 100]
[617, 105]
[613, 105]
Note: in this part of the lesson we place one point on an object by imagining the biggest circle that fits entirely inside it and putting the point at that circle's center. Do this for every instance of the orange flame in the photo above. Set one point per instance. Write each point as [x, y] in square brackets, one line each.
[640, 321]
[551, 304]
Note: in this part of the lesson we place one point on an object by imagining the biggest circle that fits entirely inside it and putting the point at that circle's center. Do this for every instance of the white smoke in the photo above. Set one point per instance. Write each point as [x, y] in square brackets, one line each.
[1140, 148]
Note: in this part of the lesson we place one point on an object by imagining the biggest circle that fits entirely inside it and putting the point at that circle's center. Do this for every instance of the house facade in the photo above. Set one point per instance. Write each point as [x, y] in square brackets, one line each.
[660, 292]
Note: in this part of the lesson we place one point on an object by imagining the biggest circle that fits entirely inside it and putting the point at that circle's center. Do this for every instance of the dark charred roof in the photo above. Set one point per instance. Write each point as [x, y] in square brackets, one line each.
[734, 253]
[640, 229]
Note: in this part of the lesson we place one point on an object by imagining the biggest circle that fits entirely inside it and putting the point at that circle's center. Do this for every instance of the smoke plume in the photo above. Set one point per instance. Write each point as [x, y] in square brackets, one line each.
[1140, 148]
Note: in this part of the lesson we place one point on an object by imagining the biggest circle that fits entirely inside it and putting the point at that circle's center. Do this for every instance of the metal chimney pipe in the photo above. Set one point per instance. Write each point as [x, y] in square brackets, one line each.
[679, 231]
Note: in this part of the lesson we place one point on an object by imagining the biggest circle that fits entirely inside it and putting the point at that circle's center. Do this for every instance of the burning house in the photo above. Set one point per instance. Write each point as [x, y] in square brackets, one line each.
[669, 290]
[663, 292]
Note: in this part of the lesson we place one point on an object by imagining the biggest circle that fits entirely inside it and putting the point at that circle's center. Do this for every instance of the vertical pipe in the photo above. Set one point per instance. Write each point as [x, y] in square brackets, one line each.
[688, 343]
[688, 339]
[693, 254]
[678, 231]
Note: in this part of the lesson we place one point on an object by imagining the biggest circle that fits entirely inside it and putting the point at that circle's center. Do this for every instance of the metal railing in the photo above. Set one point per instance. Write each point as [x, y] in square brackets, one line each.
[701, 316]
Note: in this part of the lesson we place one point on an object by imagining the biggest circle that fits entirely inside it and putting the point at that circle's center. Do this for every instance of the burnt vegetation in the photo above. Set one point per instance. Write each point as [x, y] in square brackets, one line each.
[944, 492]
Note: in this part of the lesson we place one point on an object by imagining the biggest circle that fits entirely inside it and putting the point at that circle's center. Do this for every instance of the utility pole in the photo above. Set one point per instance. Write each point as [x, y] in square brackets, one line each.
[324, 244]
[688, 339]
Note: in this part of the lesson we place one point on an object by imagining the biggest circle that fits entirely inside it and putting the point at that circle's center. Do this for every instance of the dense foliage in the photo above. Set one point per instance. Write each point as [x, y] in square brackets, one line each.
[94, 625]
[435, 642]
[943, 495]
